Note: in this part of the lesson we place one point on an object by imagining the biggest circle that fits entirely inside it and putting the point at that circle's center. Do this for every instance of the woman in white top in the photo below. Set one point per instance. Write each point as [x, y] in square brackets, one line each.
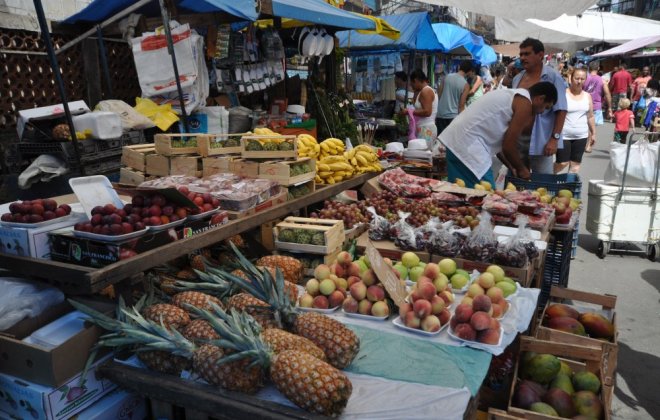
[580, 125]
[426, 107]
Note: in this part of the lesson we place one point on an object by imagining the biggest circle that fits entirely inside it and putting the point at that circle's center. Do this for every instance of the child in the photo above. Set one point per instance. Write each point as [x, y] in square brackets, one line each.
[624, 120]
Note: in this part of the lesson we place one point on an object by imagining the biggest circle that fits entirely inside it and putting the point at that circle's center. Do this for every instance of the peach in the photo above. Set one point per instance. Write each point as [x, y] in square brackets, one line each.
[327, 286]
[321, 302]
[338, 270]
[344, 258]
[467, 300]
[431, 323]
[463, 312]
[497, 310]
[444, 316]
[336, 298]
[312, 287]
[404, 309]
[350, 305]
[494, 324]
[481, 303]
[465, 332]
[369, 277]
[505, 305]
[489, 336]
[358, 291]
[341, 284]
[441, 283]
[437, 305]
[486, 280]
[322, 272]
[423, 279]
[364, 307]
[380, 308]
[412, 321]
[453, 322]
[422, 308]
[495, 294]
[426, 290]
[375, 293]
[352, 280]
[306, 301]
[447, 296]
[480, 321]
[475, 290]
[354, 269]
[415, 296]
[431, 271]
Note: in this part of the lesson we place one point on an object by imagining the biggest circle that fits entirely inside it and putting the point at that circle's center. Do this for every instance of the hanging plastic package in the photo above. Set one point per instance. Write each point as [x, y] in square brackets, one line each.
[642, 164]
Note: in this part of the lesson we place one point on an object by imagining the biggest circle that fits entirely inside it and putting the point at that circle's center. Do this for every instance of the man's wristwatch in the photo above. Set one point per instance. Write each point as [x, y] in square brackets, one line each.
[556, 136]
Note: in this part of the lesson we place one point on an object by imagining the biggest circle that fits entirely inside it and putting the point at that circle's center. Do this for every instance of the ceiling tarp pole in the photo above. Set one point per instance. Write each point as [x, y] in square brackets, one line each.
[170, 50]
[45, 34]
[103, 24]
[104, 60]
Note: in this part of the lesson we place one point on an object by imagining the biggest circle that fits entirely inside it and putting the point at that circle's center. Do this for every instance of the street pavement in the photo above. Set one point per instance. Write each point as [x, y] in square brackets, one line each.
[636, 282]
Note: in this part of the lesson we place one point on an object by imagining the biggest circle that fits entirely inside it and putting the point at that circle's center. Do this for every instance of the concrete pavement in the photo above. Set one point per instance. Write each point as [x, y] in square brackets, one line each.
[636, 282]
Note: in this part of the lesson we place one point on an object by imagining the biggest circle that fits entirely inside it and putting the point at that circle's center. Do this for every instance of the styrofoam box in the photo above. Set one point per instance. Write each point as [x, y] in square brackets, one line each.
[58, 331]
[103, 125]
[94, 190]
[632, 218]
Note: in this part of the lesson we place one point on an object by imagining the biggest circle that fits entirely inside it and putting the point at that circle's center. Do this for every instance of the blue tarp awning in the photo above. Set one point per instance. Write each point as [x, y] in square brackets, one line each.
[321, 13]
[485, 55]
[99, 10]
[416, 34]
[453, 38]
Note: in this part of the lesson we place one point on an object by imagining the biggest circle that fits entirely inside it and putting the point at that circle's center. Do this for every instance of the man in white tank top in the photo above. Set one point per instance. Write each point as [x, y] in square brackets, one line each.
[490, 126]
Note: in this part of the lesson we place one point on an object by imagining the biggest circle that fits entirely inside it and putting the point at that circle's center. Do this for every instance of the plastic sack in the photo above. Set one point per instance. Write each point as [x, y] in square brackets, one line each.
[379, 227]
[403, 233]
[642, 164]
[482, 243]
[445, 242]
[130, 118]
[496, 204]
[44, 168]
[22, 299]
[172, 181]
[513, 252]
[424, 232]
[162, 115]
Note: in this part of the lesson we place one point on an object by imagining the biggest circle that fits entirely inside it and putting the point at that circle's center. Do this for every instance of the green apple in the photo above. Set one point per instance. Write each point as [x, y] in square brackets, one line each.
[463, 272]
[403, 271]
[496, 271]
[409, 259]
[366, 261]
[508, 280]
[363, 266]
[415, 273]
[507, 288]
[447, 266]
[458, 281]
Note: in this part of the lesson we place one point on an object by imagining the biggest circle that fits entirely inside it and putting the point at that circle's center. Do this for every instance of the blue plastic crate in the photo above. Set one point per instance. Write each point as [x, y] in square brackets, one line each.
[553, 183]
[557, 263]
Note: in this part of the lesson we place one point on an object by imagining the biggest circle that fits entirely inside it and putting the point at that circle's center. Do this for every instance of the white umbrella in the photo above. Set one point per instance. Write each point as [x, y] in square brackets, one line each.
[518, 9]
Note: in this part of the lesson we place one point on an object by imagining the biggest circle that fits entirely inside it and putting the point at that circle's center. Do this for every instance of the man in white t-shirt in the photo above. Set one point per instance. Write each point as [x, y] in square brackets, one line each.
[490, 126]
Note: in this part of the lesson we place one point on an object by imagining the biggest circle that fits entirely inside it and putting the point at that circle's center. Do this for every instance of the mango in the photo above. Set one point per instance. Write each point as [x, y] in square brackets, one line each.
[561, 401]
[566, 324]
[557, 310]
[563, 382]
[527, 394]
[586, 381]
[543, 408]
[588, 404]
[565, 369]
[542, 368]
[597, 325]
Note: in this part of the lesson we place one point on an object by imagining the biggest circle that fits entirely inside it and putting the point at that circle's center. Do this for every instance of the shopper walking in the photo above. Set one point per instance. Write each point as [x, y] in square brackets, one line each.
[639, 85]
[598, 90]
[541, 142]
[624, 121]
[620, 85]
[579, 127]
[453, 94]
[426, 105]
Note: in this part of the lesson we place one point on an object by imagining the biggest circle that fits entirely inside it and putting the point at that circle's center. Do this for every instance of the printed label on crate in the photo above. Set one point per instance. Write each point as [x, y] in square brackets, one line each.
[385, 274]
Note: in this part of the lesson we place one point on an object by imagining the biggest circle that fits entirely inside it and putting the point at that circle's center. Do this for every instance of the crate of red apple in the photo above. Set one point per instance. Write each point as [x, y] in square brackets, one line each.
[35, 211]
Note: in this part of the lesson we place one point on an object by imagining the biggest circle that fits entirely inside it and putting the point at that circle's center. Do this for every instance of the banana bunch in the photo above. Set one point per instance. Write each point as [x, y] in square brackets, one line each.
[332, 169]
[363, 159]
[308, 146]
[331, 147]
[263, 131]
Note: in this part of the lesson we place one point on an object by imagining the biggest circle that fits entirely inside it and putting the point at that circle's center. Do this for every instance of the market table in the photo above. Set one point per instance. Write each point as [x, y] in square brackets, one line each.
[77, 279]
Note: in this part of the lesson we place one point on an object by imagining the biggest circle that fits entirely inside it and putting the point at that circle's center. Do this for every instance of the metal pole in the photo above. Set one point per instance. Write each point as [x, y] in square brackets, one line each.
[43, 24]
[104, 60]
[170, 50]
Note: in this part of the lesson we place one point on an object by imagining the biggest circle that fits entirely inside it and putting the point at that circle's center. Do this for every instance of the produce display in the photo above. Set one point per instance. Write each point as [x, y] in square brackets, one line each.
[428, 302]
[297, 191]
[35, 211]
[275, 143]
[352, 214]
[183, 142]
[204, 201]
[561, 317]
[405, 185]
[299, 169]
[301, 236]
[485, 295]
[218, 143]
[548, 385]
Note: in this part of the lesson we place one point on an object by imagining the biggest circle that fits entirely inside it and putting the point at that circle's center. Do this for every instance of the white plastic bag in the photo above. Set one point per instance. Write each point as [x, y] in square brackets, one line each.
[42, 169]
[642, 164]
[22, 299]
[130, 118]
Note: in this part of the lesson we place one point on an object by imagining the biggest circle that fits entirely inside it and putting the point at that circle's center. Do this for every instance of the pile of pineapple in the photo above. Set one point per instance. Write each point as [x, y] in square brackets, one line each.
[237, 330]
[301, 236]
[274, 143]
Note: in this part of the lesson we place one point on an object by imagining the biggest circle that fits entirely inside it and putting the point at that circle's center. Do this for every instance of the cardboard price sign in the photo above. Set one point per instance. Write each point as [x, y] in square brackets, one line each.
[385, 274]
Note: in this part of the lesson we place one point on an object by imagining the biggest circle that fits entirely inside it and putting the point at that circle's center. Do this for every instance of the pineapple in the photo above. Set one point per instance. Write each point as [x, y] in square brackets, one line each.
[291, 288]
[291, 267]
[237, 240]
[169, 315]
[164, 362]
[196, 299]
[197, 263]
[337, 341]
[199, 330]
[187, 274]
[259, 309]
[167, 284]
[280, 340]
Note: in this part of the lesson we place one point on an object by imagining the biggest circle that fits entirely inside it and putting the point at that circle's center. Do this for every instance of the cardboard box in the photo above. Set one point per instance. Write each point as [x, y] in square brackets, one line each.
[48, 366]
[33, 242]
[26, 400]
[387, 249]
[117, 405]
[244, 168]
[371, 188]
[218, 164]
[65, 247]
[25, 115]
[158, 165]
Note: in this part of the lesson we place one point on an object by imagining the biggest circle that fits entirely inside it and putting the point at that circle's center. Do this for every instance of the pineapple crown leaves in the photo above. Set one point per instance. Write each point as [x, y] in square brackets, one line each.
[239, 332]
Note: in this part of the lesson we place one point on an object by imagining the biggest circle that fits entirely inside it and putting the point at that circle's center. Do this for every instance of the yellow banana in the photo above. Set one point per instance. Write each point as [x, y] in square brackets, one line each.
[354, 162]
[325, 174]
[322, 167]
[362, 160]
[325, 147]
[337, 178]
[333, 159]
[351, 153]
[330, 180]
[340, 166]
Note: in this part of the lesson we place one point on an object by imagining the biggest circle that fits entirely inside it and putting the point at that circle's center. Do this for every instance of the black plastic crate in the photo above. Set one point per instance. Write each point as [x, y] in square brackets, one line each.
[557, 263]
[553, 183]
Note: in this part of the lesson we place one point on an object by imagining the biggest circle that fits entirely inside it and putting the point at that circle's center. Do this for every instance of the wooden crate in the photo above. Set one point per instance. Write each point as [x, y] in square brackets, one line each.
[135, 156]
[311, 187]
[333, 231]
[217, 164]
[244, 168]
[158, 165]
[273, 201]
[579, 358]
[186, 165]
[130, 176]
[269, 154]
[280, 171]
[205, 144]
[163, 144]
[577, 298]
